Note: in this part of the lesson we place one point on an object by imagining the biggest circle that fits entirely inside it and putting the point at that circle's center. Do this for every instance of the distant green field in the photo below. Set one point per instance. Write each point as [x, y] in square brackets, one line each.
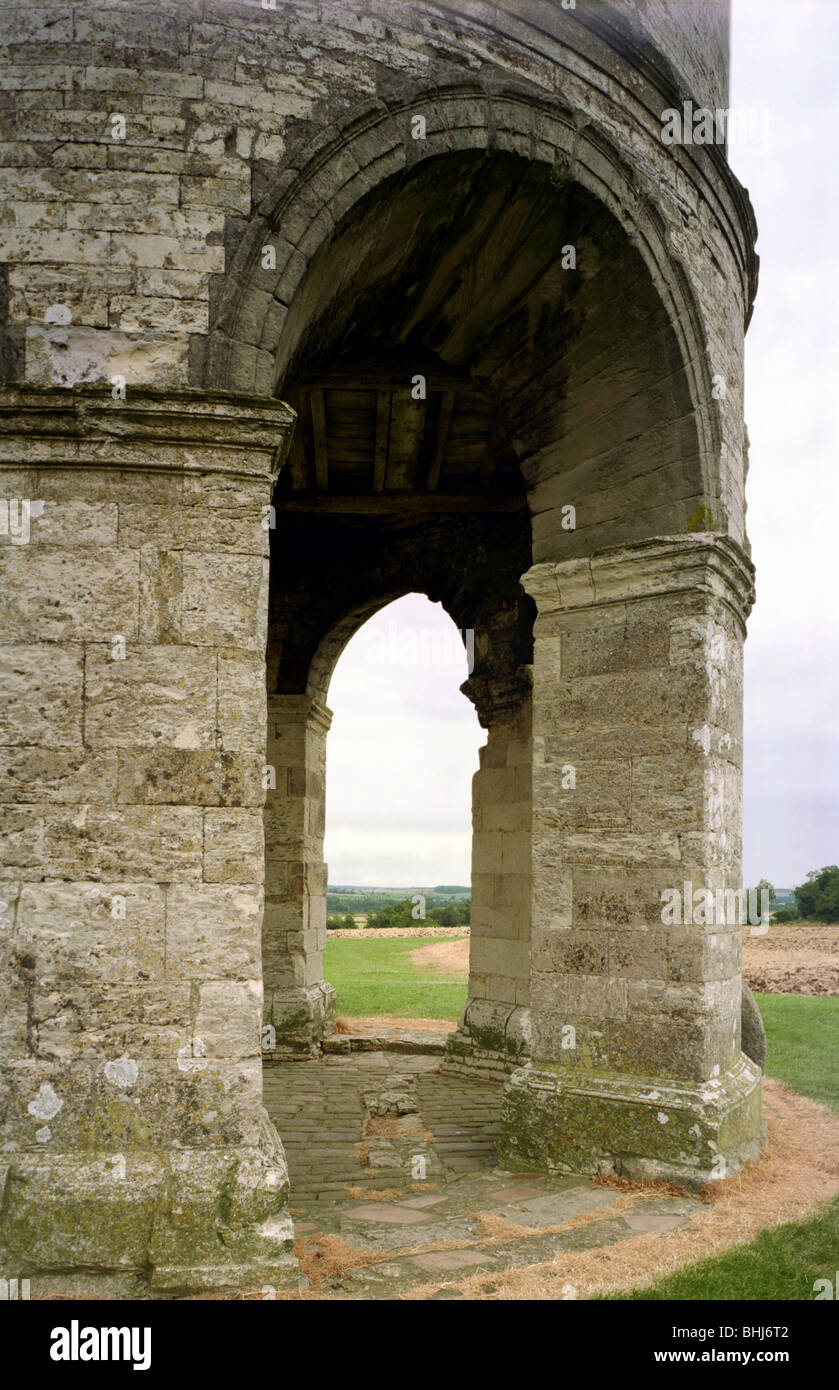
[377, 977]
[364, 900]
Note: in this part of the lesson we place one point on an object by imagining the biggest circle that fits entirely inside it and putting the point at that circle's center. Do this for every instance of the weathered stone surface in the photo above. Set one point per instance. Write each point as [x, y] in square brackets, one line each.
[213, 931]
[753, 1033]
[196, 778]
[152, 695]
[233, 846]
[692, 1134]
[44, 697]
[131, 925]
[88, 932]
[56, 595]
[267, 217]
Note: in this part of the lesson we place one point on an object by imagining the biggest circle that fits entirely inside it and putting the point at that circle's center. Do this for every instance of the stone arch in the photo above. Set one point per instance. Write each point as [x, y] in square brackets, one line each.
[256, 332]
[303, 207]
[632, 414]
[318, 602]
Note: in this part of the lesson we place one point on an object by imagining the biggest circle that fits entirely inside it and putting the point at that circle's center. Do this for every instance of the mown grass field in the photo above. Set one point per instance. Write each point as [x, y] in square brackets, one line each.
[783, 1263]
[802, 1034]
[378, 977]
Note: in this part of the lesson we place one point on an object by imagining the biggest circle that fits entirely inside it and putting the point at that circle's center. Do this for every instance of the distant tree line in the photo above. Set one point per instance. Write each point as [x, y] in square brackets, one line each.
[401, 914]
[816, 900]
[374, 902]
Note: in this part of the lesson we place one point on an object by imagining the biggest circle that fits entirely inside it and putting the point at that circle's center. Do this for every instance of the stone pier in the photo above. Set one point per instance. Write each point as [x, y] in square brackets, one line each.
[133, 749]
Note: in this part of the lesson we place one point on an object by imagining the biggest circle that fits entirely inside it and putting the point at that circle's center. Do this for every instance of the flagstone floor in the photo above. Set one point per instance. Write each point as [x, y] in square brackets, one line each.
[388, 1157]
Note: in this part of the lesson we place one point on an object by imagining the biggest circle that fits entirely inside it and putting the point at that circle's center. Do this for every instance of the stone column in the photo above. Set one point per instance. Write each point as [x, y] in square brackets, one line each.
[494, 1031]
[299, 1004]
[637, 700]
[140, 1158]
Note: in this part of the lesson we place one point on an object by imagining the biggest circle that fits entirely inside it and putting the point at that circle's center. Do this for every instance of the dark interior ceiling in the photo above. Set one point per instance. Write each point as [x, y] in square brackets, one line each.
[455, 275]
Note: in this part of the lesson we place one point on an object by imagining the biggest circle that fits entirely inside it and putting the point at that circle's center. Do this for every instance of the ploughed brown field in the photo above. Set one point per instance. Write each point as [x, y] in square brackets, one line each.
[787, 960]
[793, 960]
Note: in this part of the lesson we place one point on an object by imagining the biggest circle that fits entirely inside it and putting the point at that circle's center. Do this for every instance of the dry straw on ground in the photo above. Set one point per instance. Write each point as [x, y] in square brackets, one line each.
[447, 957]
[385, 1021]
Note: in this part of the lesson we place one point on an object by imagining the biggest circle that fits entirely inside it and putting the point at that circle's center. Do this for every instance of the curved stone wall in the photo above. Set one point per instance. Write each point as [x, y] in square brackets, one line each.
[152, 149]
[212, 206]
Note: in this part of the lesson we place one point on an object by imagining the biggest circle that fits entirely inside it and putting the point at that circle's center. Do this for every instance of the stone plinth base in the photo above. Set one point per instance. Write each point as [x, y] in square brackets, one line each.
[639, 1128]
[491, 1039]
[150, 1225]
[295, 1020]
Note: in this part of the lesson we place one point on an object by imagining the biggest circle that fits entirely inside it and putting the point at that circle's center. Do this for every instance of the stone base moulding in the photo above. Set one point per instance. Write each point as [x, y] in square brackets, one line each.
[296, 1020]
[492, 1038]
[142, 1225]
[637, 1128]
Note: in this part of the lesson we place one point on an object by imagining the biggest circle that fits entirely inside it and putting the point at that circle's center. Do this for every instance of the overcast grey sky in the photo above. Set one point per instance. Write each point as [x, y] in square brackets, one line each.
[404, 742]
[784, 57]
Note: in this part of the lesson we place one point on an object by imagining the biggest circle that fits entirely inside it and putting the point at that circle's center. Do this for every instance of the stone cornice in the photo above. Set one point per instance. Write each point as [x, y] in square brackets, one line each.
[661, 565]
[153, 429]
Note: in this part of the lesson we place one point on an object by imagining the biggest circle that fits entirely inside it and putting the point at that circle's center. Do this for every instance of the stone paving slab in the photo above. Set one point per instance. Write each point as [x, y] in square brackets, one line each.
[340, 1121]
[411, 1269]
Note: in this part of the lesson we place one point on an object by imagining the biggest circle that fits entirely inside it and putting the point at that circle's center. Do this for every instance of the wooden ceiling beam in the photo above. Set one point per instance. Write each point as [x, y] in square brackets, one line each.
[370, 376]
[382, 432]
[494, 448]
[441, 435]
[405, 502]
[319, 432]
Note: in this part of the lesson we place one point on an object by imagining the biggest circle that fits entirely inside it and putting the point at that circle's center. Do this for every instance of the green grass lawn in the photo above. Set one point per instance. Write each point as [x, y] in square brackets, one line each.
[377, 977]
[802, 1035]
[783, 1262]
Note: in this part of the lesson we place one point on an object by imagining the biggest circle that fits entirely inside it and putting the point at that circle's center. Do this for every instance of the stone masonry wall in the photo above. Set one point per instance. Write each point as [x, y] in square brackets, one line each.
[136, 232]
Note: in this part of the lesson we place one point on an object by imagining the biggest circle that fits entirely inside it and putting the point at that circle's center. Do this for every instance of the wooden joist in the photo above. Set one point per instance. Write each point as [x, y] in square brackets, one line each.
[440, 436]
[382, 431]
[493, 446]
[407, 501]
[319, 433]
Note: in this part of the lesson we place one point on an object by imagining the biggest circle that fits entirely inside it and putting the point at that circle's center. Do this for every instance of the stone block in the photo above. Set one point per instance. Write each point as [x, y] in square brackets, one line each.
[72, 523]
[178, 776]
[154, 695]
[43, 696]
[225, 600]
[161, 589]
[213, 931]
[235, 527]
[162, 843]
[631, 646]
[77, 932]
[229, 1018]
[234, 846]
[54, 594]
